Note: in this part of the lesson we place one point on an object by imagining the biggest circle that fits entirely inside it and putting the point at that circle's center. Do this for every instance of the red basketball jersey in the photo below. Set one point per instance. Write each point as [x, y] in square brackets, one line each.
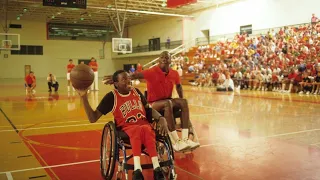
[128, 109]
[70, 67]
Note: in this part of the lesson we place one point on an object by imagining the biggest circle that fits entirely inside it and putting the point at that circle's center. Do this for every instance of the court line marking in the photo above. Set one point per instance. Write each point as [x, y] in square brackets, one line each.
[9, 176]
[59, 122]
[246, 95]
[196, 176]
[213, 107]
[12, 125]
[315, 144]
[90, 124]
[53, 166]
[98, 160]
[51, 127]
[39, 158]
[46, 123]
[35, 177]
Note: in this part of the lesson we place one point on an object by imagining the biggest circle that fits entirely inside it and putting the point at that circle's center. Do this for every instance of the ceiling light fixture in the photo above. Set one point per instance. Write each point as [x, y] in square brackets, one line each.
[18, 18]
[128, 10]
[25, 9]
[52, 17]
[81, 18]
[142, 12]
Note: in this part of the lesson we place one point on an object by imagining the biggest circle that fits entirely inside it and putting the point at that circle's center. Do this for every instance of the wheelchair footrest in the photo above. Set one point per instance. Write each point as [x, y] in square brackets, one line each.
[148, 166]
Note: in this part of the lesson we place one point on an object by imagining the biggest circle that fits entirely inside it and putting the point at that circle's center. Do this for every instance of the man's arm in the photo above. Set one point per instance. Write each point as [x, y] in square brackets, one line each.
[92, 115]
[179, 90]
[137, 75]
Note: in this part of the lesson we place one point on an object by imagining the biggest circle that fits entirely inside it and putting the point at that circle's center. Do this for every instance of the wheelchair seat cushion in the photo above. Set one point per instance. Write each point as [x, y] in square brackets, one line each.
[176, 112]
[123, 136]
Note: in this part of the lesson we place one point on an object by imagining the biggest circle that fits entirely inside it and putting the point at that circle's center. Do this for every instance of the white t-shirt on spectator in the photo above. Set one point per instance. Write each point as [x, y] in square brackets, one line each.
[222, 77]
[268, 78]
[228, 83]
[238, 75]
[179, 72]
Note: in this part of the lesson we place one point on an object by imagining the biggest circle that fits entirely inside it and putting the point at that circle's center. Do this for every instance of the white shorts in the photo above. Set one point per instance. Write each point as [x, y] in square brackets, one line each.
[68, 76]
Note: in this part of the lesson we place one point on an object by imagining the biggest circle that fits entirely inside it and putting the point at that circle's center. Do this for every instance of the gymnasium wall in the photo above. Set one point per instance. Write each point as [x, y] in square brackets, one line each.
[228, 18]
[56, 53]
[158, 28]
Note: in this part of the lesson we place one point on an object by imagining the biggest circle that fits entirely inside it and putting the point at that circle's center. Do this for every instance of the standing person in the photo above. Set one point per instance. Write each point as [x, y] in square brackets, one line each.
[30, 82]
[314, 19]
[94, 65]
[127, 104]
[52, 82]
[168, 43]
[70, 66]
[132, 69]
[139, 67]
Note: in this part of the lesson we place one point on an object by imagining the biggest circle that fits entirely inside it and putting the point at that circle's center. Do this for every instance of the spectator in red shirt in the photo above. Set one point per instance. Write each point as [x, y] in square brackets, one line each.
[30, 82]
[94, 65]
[288, 79]
[139, 67]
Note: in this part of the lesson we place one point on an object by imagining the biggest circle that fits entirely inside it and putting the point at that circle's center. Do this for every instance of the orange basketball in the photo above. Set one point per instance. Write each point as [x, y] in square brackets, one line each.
[81, 76]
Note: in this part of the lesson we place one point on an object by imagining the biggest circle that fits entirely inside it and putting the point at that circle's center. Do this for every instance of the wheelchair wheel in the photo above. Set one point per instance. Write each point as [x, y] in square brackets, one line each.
[165, 152]
[108, 151]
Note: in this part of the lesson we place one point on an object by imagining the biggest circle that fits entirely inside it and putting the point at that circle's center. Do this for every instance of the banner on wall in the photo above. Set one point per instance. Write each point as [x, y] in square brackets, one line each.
[176, 3]
[246, 28]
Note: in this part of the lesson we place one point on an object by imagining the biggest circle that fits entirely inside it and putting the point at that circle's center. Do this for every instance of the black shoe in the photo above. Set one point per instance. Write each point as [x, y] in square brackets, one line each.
[157, 174]
[137, 175]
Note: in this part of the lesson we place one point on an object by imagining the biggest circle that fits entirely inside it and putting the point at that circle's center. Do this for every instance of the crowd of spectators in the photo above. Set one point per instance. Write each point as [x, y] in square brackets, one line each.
[284, 60]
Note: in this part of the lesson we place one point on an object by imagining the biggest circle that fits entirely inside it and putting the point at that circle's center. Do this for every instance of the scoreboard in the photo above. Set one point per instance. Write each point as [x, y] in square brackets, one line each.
[66, 3]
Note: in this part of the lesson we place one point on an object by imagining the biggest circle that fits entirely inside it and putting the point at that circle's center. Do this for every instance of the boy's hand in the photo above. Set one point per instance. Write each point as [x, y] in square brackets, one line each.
[162, 126]
[81, 92]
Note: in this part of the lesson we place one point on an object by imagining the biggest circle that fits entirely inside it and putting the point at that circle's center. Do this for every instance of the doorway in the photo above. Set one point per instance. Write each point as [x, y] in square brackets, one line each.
[127, 67]
[154, 44]
[85, 61]
[206, 34]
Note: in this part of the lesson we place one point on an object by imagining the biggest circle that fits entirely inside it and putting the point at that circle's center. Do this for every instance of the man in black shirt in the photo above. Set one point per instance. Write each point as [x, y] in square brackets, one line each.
[306, 85]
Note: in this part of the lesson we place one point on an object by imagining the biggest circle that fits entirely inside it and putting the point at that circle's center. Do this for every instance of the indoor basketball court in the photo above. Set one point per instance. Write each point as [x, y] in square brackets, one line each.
[247, 134]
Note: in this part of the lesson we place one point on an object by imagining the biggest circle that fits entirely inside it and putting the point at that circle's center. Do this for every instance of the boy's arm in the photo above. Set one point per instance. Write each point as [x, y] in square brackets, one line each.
[106, 105]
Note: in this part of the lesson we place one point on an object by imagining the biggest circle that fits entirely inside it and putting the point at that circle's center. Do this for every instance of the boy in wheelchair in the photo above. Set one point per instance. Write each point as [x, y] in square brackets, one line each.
[160, 83]
[127, 105]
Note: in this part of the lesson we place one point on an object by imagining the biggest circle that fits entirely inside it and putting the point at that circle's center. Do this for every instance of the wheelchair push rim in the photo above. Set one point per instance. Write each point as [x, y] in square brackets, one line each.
[108, 151]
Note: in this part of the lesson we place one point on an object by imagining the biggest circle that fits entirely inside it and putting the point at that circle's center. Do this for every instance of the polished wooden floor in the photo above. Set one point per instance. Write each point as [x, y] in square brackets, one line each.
[247, 135]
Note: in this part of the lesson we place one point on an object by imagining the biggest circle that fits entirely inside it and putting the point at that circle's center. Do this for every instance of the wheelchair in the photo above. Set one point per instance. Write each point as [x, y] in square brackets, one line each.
[114, 141]
[177, 115]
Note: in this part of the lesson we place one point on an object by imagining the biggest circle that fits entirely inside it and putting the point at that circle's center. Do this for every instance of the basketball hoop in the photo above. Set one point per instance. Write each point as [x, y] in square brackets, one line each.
[124, 52]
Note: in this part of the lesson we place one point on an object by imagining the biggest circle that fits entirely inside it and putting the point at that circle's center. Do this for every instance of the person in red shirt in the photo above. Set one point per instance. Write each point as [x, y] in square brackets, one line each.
[128, 106]
[160, 82]
[70, 66]
[94, 65]
[139, 67]
[30, 82]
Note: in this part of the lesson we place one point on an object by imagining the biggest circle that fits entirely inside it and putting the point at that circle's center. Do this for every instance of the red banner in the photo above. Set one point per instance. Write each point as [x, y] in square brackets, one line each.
[176, 3]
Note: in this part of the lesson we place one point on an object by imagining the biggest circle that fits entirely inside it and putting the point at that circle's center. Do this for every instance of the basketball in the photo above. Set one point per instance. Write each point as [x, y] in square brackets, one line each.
[81, 76]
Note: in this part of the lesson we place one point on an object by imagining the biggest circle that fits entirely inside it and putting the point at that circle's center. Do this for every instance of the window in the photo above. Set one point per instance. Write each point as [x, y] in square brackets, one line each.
[28, 50]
